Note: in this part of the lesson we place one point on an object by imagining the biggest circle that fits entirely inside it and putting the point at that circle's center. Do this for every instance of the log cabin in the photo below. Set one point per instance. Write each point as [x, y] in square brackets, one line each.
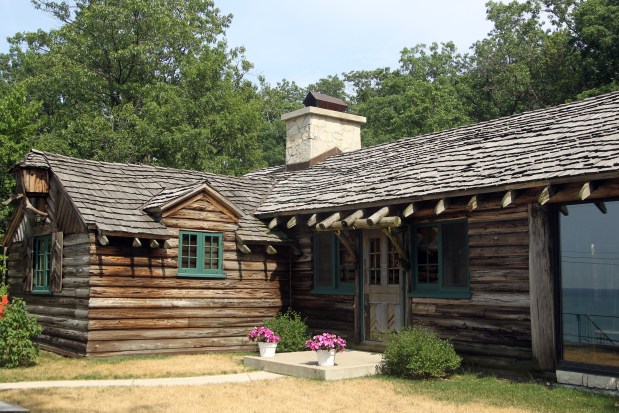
[501, 236]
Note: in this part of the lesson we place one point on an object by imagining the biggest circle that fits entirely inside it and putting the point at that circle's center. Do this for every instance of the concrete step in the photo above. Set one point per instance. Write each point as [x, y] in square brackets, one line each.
[348, 364]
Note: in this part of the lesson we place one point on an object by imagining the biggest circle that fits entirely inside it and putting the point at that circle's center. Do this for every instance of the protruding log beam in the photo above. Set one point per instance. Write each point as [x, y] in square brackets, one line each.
[473, 203]
[136, 243]
[242, 247]
[271, 250]
[153, 244]
[103, 240]
[441, 206]
[508, 198]
[601, 206]
[273, 223]
[378, 215]
[586, 189]
[337, 226]
[563, 209]
[383, 223]
[409, 210]
[547, 193]
[350, 219]
[167, 244]
[12, 198]
[330, 220]
[348, 246]
[404, 263]
[29, 207]
[291, 222]
[312, 220]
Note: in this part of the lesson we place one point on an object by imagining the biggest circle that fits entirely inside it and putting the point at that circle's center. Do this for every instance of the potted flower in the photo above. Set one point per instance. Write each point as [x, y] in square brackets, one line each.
[326, 345]
[267, 340]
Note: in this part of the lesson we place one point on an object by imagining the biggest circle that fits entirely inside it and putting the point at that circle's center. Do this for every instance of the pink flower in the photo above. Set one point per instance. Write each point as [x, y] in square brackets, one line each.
[263, 335]
[326, 341]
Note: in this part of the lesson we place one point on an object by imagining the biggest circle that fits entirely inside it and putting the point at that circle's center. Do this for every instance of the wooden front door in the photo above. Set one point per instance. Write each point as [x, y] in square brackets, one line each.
[383, 306]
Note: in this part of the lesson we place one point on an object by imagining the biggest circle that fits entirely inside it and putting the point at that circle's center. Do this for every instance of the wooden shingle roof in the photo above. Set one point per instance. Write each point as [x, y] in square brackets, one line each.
[113, 197]
[573, 140]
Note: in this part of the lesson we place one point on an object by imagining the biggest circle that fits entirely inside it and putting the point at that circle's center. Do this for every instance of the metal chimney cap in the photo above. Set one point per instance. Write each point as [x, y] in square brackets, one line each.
[320, 100]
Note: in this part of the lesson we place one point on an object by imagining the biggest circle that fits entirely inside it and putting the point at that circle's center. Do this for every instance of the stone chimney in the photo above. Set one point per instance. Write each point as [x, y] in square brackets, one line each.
[320, 130]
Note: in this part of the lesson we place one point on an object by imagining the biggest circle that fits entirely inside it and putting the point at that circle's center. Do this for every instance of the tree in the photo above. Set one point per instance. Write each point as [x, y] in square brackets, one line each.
[140, 81]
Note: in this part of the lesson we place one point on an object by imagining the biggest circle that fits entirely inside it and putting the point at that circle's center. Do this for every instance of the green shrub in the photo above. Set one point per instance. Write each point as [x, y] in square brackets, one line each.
[291, 328]
[17, 330]
[418, 352]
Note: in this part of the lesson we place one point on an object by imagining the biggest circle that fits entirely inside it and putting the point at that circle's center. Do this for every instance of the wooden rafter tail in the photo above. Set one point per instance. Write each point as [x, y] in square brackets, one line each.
[378, 215]
[241, 246]
[312, 220]
[409, 210]
[136, 243]
[586, 190]
[326, 223]
[154, 244]
[547, 193]
[508, 198]
[404, 263]
[29, 207]
[473, 203]
[271, 250]
[350, 219]
[102, 238]
[601, 206]
[385, 222]
[12, 198]
[441, 206]
[292, 222]
[167, 244]
[273, 223]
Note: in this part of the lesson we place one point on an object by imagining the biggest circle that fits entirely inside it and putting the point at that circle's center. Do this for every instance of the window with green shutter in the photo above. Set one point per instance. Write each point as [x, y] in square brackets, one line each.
[42, 265]
[334, 265]
[200, 254]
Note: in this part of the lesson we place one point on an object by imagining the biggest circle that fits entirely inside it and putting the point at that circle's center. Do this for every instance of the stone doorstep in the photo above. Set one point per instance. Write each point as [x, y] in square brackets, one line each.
[349, 364]
[11, 408]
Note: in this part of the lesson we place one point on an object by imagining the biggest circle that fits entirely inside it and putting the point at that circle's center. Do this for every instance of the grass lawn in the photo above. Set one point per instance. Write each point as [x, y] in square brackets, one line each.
[54, 367]
[460, 393]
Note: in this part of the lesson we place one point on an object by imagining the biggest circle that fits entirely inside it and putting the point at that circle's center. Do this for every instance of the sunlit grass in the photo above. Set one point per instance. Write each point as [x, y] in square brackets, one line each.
[51, 366]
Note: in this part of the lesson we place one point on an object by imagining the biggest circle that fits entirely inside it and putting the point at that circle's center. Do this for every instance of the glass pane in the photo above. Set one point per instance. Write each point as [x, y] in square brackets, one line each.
[189, 250]
[323, 259]
[454, 240]
[347, 260]
[374, 261]
[590, 284]
[427, 254]
[393, 264]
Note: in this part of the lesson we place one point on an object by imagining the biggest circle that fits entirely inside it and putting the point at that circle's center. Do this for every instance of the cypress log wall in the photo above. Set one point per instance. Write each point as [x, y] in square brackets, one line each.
[139, 305]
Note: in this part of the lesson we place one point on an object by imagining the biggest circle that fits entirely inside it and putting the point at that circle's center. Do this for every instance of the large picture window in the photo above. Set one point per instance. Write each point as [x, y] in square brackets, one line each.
[335, 264]
[42, 265]
[441, 260]
[589, 259]
[200, 254]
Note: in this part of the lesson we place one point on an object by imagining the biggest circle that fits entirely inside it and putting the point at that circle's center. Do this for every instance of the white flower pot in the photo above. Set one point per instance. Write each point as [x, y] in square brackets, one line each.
[326, 357]
[267, 349]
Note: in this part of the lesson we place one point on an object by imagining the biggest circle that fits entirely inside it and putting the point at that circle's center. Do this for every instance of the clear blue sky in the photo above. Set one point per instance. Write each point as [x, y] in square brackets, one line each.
[306, 40]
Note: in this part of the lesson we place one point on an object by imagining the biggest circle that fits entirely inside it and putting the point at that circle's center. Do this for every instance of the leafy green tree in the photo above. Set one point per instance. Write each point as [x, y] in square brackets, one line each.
[140, 81]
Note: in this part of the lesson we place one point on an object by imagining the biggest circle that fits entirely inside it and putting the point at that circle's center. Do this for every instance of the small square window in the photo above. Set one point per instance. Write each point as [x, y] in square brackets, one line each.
[200, 254]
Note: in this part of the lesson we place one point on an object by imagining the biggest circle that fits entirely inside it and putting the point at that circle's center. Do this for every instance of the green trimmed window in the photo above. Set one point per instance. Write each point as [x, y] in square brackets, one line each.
[42, 265]
[334, 264]
[200, 254]
[441, 260]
